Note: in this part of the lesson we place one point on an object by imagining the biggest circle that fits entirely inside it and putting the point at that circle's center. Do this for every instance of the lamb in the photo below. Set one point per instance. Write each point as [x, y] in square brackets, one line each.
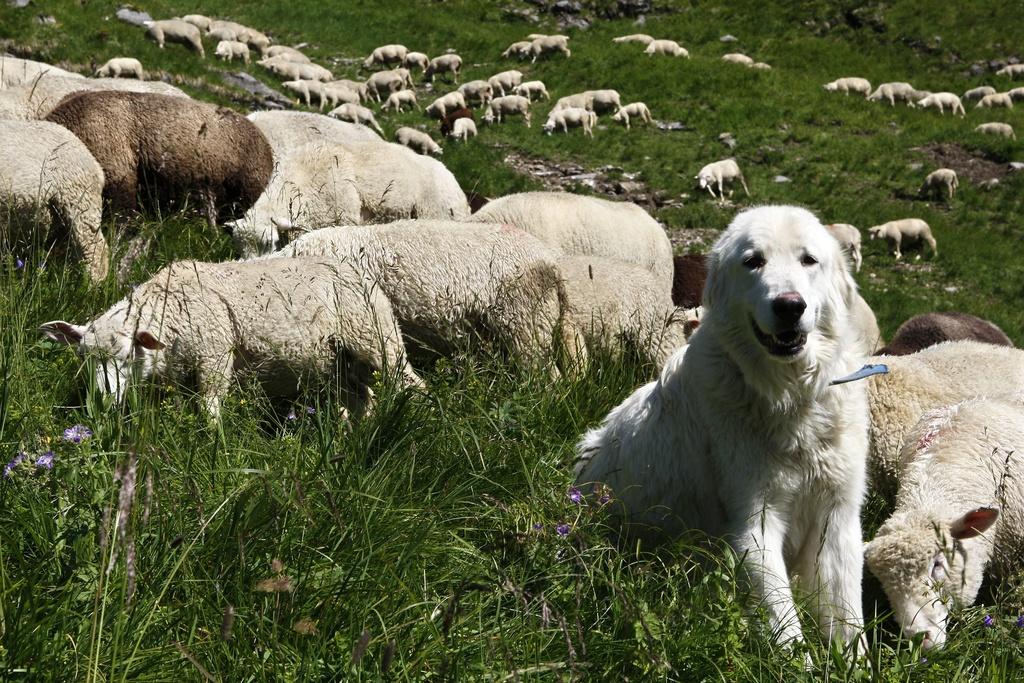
[1011, 70]
[385, 83]
[334, 94]
[283, 66]
[299, 87]
[509, 105]
[522, 49]
[418, 141]
[118, 66]
[37, 100]
[200, 21]
[738, 58]
[587, 226]
[495, 277]
[463, 129]
[448, 121]
[170, 146]
[641, 38]
[666, 47]
[996, 128]
[633, 110]
[450, 63]
[929, 329]
[910, 229]
[891, 92]
[175, 31]
[287, 131]
[549, 44]
[446, 104]
[415, 60]
[571, 117]
[478, 91]
[959, 513]
[978, 93]
[532, 90]
[939, 181]
[229, 49]
[603, 100]
[15, 72]
[45, 169]
[848, 85]
[719, 173]
[356, 113]
[1000, 99]
[386, 55]
[398, 99]
[288, 53]
[849, 239]
[941, 100]
[288, 322]
[505, 80]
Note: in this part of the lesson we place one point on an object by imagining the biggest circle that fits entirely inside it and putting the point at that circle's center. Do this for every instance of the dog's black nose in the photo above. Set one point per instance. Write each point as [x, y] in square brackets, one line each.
[788, 307]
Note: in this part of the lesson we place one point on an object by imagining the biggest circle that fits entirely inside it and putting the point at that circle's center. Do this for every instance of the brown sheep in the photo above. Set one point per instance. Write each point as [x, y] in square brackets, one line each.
[690, 272]
[169, 147]
[929, 329]
[449, 120]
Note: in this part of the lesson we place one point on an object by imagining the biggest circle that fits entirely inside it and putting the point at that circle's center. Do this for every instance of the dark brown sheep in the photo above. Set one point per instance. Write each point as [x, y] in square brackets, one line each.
[449, 120]
[929, 329]
[688, 280]
[169, 147]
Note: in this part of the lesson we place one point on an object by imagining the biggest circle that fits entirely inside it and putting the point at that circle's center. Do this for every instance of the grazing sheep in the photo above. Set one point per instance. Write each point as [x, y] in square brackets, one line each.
[633, 110]
[385, 82]
[930, 329]
[288, 53]
[941, 100]
[907, 229]
[300, 88]
[719, 173]
[15, 72]
[1016, 94]
[288, 322]
[1011, 70]
[402, 97]
[505, 81]
[959, 513]
[521, 49]
[117, 67]
[902, 91]
[417, 141]
[532, 90]
[760, 66]
[175, 31]
[47, 172]
[356, 113]
[848, 85]
[415, 60]
[451, 63]
[287, 131]
[357, 87]
[978, 93]
[995, 128]
[255, 39]
[602, 101]
[865, 325]
[939, 181]
[582, 100]
[509, 105]
[386, 55]
[477, 92]
[1000, 99]
[549, 44]
[571, 117]
[689, 273]
[641, 38]
[333, 94]
[288, 69]
[738, 58]
[447, 281]
[36, 100]
[448, 121]
[224, 33]
[446, 104]
[587, 226]
[849, 239]
[229, 49]
[666, 47]
[463, 129]
[200, 21]
[170, 146]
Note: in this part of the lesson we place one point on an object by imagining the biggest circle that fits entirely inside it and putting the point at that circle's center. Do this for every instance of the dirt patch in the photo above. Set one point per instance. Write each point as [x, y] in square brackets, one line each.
[692, 240]
[968, 165]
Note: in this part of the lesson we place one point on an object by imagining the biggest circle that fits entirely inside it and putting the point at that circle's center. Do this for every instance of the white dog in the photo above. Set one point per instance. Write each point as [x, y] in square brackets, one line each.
[746, 439]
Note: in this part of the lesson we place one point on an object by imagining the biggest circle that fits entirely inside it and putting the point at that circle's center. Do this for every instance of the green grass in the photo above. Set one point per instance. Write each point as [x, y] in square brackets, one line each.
[413, 531]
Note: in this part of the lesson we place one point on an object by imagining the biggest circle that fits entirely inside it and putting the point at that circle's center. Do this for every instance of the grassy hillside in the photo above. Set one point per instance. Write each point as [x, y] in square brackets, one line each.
[426, 542]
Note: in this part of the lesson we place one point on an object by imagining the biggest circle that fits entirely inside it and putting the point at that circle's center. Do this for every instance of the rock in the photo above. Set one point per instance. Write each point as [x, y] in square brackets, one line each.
[18, 4]
[629, 187]
[728, 38]
[133, 16]
[47, 19]
[915, 166]
[669, 125]
[268, 97]
[781, 179]
[633, 8]
[566, 7]
[580, 23]
[728, 140]
[977, 69]
[640, 21]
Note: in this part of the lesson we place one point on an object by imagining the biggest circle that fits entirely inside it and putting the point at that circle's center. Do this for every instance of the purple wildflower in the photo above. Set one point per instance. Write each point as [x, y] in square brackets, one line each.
[310, 410]
[537, 526]
[1020, 621]
[988, 621]
[77, 433]
[45, 460]
[562, 529]
[290, 416]
[9, 467]
[575, 495]
[18, 264]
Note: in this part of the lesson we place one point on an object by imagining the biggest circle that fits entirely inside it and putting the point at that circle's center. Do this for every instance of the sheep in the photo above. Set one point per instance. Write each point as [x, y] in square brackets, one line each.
[282, 66]
[478, 91]
[415, 60]
[448, 121]
[418, 141]
[719, 173]
[399, 98]
[737, 58]
[939, 180]
[602, 101]
[45, 168]
[334, 94]
[170, 146]
[576, 225]
[224, 33]
[641, 38]
[549, 44]
[288, 53]
[633, 110]
[978, 93]
[582, 100]
[1016, 94]
[299, 87]
[1000, 99]
[15, 72]
[666, 47]
[175, 31]
[941, 100]
[959, 513]
[571, 117]
[1011, 70]
[445, 104]
[849, 239]
[290, 322]
[229, 49]
[36, 100]
[121, 66]
[496, 278]
[463, 129]
[509, 105]
[357, 87]
[287, 131]
[521, 49]
[450, 63]
[532, 90]
[760, 66]
[850, 84]
[995, 128]
[200, 21]
[909, 229]
[930, 329]
[356, 113]
[255, 39]
[505, 81]
[384, 83]
[689, 273]
[865, 326]
[902, 91]
[386, 55]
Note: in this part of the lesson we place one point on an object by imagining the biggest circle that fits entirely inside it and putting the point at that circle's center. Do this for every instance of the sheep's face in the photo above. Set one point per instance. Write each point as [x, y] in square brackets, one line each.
[877, 231]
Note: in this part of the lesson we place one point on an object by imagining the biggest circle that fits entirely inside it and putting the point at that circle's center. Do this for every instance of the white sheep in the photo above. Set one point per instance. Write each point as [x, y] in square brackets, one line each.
[357, 87]
[738, 58]
[576, 225]
[850, 84]
[506, 81]
[415, 60]
[849, 239]
[720, 173]
[398, 99]
[978, 93]
[939, 181]
[532, 90]
[633, 111]
[509, 105]
[1011, 70]
[940, 101]
[521, 49]
[549, 44]
[760, 66]
[582, 100]
[334, 94]
[602, 101]
[299, 87]
[282, 66]
[200, 21]
[117, 67]
[224, 33]
[289, 322]
[571, 117]
[418, 141]
[1016, 94]
[1000, 99]
[959, 513]
[906, 229]
[463, 129]
[890, 92]
[175, 31]
[449, 63]
[47, 172]
[641, 38]
[36, 100]
[229, 49]
[996, 128]
[666, 47]
[865, 326]
[445, 104]
[385, 55]
[478, 91]
[289, 53]
[287, 131]
[356, 113]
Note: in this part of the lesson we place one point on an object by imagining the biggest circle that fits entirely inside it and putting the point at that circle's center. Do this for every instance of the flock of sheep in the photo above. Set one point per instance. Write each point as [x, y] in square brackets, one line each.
[542, 275]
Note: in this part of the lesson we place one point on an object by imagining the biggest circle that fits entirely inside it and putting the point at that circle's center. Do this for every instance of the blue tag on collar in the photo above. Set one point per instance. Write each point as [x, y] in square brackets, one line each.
[866, 371]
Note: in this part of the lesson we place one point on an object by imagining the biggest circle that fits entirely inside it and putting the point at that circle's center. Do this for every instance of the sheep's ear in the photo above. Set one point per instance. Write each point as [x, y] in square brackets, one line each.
[147, 341]
[973, 523]
[63, 332]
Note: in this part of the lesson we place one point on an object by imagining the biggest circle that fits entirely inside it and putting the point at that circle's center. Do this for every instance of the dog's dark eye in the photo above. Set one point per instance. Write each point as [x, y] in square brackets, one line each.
[808, 260]
[754, 261]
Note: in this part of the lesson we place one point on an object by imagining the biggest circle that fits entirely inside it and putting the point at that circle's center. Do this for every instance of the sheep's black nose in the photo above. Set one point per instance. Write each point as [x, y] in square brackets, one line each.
[788, 307]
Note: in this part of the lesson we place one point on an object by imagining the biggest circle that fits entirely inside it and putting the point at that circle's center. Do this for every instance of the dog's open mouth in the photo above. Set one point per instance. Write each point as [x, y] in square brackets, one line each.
[788, 343]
